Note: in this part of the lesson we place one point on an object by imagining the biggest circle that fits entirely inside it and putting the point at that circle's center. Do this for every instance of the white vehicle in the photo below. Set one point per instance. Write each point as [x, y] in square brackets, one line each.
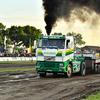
[55, 54]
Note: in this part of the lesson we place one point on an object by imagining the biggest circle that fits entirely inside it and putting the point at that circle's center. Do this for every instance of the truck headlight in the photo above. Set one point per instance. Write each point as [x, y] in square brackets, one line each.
[61, 64]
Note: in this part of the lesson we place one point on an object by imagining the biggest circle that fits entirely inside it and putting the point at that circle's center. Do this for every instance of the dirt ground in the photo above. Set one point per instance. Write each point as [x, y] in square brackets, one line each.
[27, 85]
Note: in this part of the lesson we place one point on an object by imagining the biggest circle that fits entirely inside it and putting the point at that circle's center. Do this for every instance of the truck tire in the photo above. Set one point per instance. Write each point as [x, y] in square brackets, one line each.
[69, 72]
[54, 73]
[42, 75]
[83, 69]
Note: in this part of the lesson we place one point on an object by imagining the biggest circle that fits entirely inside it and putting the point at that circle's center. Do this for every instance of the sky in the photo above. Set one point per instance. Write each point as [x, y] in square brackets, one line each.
[31, 12]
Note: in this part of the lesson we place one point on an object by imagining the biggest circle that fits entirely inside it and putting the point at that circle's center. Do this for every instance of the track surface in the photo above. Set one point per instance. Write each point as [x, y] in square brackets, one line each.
[27, 85]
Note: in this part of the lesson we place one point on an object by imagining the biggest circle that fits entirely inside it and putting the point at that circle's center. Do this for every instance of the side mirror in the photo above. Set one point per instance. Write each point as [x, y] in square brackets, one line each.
[69, 45]
[35, 44]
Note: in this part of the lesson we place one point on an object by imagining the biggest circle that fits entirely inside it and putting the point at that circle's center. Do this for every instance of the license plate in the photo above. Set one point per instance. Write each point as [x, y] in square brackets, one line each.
[49, 70]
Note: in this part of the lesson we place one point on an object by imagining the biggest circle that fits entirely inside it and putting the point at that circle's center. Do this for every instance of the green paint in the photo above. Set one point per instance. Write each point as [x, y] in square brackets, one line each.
[49, 53]
[69, 52]
[52, 37]
[59, 54]
[40, 53]
[50, 66]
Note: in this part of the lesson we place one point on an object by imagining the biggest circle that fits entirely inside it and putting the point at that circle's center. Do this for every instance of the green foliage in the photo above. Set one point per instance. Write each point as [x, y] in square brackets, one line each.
[31, 33]
[14, 34]
[21, 35]
[19, 49]
[1, 40]
[33, 50]
[12, 62]
[2, 27]
[8, 51]
[93, 97]
[77, 38]
[9, 47]
[18, 69]
[2, 33]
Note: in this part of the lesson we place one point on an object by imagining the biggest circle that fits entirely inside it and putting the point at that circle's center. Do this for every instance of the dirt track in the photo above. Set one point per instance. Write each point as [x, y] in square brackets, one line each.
[27, 85]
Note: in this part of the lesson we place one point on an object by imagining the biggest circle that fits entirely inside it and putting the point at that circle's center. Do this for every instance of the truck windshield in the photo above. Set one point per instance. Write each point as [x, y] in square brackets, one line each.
[51, 43]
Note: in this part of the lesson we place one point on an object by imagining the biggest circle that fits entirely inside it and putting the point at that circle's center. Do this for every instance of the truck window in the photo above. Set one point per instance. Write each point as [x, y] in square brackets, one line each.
[67, 43]
[62, 45]
[59, 43]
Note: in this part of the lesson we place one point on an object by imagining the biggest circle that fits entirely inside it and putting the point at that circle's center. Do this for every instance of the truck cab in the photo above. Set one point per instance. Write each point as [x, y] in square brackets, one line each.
[54, 48]
[54, 54]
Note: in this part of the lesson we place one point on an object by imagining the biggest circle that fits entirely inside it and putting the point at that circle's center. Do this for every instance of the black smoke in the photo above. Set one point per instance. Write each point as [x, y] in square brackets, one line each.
[62, 9]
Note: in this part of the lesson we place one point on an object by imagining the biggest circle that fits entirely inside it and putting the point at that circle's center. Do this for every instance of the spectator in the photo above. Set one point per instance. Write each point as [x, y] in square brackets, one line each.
[18, 55]
[3, 54]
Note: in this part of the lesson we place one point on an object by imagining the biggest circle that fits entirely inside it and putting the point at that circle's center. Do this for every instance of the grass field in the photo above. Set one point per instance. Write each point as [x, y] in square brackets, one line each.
[16, 62]
[11, 62]
[17, 69]
[93, 97]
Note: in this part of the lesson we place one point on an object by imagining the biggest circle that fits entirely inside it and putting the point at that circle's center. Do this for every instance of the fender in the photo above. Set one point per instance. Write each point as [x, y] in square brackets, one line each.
[76, 64]
[67, 62]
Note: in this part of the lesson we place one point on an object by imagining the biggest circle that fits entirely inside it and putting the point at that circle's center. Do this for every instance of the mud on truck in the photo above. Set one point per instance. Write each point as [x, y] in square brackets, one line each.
[55, 54]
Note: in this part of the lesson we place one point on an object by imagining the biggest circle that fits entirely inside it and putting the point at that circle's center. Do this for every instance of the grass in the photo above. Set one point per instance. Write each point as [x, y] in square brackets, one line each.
[17, 69]
[93, 97]
[11, 62]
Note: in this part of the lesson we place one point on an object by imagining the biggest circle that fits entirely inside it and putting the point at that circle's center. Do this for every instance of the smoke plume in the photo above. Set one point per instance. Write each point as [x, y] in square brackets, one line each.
[81, 10]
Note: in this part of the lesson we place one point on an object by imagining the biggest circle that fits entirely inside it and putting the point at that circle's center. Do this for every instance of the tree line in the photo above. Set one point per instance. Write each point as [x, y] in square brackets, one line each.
[78, 39]
[19, 35]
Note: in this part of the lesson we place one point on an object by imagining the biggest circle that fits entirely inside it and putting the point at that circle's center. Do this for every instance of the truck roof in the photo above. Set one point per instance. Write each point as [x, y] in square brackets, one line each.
[54, 37]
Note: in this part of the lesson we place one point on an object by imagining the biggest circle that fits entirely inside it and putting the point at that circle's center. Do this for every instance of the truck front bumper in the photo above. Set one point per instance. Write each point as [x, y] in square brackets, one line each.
[51, 67]
[46, 69]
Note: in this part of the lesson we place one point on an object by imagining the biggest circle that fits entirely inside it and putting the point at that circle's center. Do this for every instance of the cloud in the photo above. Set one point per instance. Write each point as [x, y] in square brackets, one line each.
[90, 35]
[23, 20]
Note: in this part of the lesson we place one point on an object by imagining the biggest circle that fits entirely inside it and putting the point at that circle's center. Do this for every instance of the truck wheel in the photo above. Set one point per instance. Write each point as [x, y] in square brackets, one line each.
[42, 75]
[54, 73]
[83, 69]
[69, 72]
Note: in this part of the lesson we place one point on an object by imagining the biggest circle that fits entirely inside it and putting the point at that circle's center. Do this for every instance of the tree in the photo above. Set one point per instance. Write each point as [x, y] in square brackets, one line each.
[30, 33]
[13, 35]
[77, 38]
[21, 35]
[2, 33]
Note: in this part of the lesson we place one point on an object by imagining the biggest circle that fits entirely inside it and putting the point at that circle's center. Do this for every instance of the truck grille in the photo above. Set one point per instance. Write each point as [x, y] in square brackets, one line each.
[49, 65]
[46, 58]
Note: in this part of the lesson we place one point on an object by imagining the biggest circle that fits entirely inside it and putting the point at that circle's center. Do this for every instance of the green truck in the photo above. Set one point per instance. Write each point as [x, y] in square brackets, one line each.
[55, 54]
